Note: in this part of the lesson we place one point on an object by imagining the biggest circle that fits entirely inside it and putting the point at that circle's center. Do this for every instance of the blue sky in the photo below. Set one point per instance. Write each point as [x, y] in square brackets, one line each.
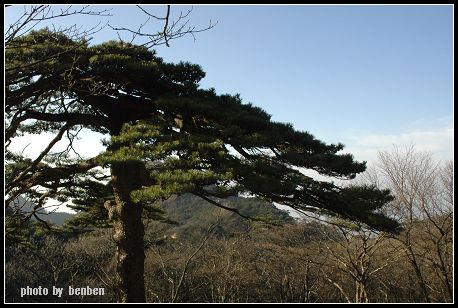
[366, 76]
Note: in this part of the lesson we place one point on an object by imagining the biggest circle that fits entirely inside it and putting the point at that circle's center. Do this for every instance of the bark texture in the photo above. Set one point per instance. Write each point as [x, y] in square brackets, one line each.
[128, 231]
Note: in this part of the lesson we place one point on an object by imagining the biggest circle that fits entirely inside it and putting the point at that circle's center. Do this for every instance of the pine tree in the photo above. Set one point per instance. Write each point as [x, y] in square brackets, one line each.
[166, 136]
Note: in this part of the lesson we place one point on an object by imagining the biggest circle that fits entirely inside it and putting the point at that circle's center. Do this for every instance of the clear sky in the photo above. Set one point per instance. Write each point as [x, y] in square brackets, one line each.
[366, 76]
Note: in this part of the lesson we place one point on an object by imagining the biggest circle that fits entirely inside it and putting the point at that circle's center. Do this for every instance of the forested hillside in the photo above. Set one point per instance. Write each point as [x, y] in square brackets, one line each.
[206, 254]
[192, 215]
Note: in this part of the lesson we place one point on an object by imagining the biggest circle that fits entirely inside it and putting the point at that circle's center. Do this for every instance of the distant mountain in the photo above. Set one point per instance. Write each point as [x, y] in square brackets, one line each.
[194, 215]
[57, 218]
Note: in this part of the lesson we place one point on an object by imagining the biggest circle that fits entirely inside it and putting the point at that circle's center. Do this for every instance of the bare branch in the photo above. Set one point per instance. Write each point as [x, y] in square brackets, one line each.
[39, 13]
[165, 26]
[188, 260]
[151, 15]
[40, 157]
[46, 175]
[170, 31]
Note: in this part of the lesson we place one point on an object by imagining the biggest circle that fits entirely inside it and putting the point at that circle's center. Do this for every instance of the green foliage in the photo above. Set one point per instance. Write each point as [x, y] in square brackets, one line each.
[16, 232]
[23, 233]
[188, 139]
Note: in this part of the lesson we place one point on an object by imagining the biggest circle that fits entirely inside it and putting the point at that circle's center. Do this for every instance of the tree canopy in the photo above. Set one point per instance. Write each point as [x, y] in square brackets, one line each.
[166, 136]
[155, 112]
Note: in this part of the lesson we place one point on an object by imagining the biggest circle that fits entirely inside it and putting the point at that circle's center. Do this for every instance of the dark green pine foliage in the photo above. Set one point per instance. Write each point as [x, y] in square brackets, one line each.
[88, 200]
[16, 231]
[188, 139]
[236, 147]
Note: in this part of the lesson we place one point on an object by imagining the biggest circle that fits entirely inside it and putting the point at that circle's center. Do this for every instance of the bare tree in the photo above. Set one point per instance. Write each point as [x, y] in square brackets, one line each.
[423, 191]
[354, 251]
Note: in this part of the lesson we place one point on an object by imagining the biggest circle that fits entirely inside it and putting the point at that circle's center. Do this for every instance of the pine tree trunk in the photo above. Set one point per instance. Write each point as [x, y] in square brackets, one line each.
[128, 231]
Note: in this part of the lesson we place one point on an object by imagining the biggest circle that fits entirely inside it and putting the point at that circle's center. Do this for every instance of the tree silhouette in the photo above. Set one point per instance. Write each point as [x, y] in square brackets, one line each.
[166, 136]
